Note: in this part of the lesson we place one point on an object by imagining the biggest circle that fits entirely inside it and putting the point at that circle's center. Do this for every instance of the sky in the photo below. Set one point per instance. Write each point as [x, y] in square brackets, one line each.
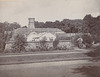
[46, 10]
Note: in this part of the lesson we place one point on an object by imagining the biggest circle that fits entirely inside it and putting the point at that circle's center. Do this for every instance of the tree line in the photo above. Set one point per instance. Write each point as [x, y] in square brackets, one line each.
[66, 25]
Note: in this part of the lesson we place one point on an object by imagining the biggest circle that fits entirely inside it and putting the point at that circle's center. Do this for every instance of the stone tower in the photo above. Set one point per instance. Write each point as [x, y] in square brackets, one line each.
[31, 22]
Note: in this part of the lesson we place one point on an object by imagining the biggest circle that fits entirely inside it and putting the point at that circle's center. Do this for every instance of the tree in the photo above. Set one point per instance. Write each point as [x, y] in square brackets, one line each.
[2, 37]
[95, 32]
[5, 32]
[19, 44]
[11, 26]
[94, 26]
[39, 24]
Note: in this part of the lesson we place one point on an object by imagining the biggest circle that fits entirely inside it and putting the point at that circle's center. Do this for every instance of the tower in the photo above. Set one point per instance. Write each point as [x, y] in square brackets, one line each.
[31, 22]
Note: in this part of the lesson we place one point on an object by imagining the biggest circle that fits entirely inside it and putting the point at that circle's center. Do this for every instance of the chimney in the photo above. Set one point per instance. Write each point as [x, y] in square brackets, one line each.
[31, 22]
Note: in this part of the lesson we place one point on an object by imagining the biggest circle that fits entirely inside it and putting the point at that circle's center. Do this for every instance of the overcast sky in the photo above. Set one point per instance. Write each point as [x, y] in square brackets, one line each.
[46, 10]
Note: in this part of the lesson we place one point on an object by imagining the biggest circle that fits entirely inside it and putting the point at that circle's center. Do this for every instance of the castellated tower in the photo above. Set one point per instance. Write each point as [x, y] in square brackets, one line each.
[31, 22]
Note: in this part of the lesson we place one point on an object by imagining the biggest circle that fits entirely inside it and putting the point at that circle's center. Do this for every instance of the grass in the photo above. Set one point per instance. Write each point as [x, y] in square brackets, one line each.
[27, 58]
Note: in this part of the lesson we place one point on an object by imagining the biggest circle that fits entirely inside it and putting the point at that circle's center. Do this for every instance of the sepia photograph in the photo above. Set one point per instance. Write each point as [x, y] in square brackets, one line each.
[49, 38]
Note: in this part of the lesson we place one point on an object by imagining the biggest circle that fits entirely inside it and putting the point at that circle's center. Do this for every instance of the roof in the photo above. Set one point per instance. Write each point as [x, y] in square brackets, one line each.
[27, 31]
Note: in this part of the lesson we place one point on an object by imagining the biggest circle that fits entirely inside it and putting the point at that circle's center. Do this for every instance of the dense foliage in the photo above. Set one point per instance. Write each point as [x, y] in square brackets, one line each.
[6, 33]
[11, 26]
[19, 44]
[93, 26]
[2, 37]
[87, 40]
[68, 26]
[55, 43]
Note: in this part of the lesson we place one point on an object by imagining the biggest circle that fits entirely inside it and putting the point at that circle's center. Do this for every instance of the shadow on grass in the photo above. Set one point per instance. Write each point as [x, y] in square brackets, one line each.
[89, 71]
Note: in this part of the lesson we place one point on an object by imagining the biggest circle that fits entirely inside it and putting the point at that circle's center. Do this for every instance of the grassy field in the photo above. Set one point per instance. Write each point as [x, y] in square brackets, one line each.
[41, 56]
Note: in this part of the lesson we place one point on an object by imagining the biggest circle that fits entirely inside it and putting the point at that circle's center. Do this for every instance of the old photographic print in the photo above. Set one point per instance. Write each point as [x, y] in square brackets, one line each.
[49, 38]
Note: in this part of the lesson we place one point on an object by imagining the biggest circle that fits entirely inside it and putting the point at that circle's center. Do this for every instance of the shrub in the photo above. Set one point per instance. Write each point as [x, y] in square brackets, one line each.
[86, 43]
[74, 40]
[62, 47]
[55, 43]
[87, 40]
[65, 46]
[2, 43]
[19, 44]
[43, 45]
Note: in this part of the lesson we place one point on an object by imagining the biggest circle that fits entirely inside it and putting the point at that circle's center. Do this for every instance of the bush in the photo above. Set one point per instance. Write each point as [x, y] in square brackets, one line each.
[2, 43]
[86, 43]
[19, 44]
[62, 47]
[43, 45]
[74, 40]
[87, 40]
[55, 43]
